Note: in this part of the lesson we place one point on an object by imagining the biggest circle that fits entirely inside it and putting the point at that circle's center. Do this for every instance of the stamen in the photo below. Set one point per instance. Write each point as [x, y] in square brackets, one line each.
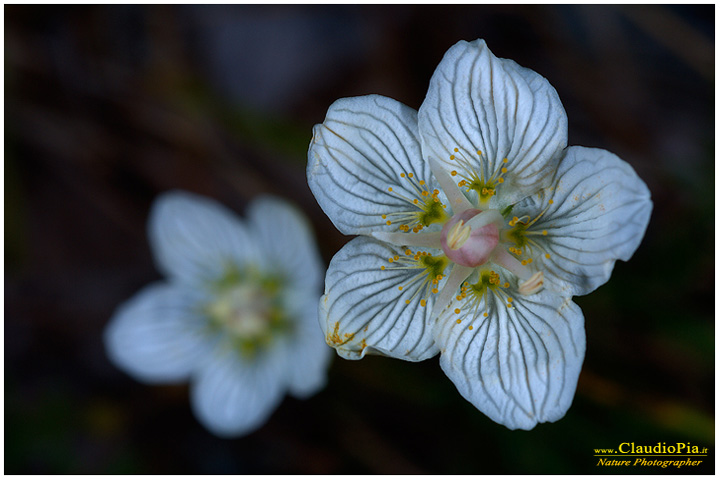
[431, 240]
[458, 202]
[532, 285]
[458, 274]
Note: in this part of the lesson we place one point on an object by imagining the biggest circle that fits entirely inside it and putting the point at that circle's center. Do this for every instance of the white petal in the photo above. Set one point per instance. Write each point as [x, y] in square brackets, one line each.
[477, 101]
[519, 365]
[309, 355]
[287, 243]
[233, 395]
[357, 154]
[195, 238]
[158, 335]
[599, 214]
[363, 311]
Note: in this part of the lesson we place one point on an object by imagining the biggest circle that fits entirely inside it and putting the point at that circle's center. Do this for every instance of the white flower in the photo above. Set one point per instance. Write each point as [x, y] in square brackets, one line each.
[237, 315]
[477, 224]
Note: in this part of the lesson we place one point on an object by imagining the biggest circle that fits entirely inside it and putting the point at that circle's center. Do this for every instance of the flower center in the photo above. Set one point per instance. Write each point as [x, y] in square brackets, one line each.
[247, 308]
[467, 242]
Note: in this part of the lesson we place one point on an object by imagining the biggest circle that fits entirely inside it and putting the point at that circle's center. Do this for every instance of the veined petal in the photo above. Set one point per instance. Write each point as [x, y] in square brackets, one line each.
[599, 214]
[519, 365]
[193, 238]
[233, 395]
[480, 103]
[158, 335]
[360, 152]
[309, 356]
[286, 241]
[369, 310]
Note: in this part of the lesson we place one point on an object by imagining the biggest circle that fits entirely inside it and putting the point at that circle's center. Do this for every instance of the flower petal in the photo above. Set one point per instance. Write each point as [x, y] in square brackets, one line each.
[357, 154]
[310, 356]
[193, 237]
[518, 365]
[157, 335]
[599, 214]
[287, 243]
[233, 395]
[478, 102]
[364, 311]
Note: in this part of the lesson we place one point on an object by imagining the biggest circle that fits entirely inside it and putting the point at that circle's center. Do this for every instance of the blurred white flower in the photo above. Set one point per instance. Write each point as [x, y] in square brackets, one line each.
[477, 225]
[236, 316]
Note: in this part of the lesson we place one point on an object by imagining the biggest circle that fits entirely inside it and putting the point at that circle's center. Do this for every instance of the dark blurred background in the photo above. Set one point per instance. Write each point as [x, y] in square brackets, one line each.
[108, 106]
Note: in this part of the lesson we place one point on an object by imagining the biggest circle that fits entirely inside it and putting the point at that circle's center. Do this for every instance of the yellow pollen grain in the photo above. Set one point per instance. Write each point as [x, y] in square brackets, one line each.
[457, 310]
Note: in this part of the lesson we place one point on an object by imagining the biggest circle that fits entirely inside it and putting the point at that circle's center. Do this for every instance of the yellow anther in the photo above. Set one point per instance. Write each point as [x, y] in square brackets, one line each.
[485, 314]
[506, 285]
[455, 150]
[470, 327]
[459, 297]
[457, 311]
[544, 232]
[402, 175]
[434, 290]
[452, 157]
[396, 257]
[479, 152]
[453, 173]
[390, 260]
[423, 302]
[503, 169]
[505, 160]
[407, 302]
[410, 175]
[500, 180]
[400, 288]
[551, 202]
[547, 255]
[421, 182]
[384, 217]
[389, 189]
[458, 321]
[382, 267]
[510, 299]
[388, 222]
